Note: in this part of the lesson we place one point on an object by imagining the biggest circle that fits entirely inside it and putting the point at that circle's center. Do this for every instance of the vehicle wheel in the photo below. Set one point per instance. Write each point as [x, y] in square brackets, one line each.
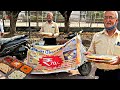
[85, 69]
[21, 55]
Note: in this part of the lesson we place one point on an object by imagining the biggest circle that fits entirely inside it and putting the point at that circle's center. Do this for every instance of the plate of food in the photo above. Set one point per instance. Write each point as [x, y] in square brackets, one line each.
[101, 58]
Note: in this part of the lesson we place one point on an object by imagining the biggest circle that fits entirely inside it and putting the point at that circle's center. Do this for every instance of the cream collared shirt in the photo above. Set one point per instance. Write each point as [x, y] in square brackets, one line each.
[104, 44]
[50, 29]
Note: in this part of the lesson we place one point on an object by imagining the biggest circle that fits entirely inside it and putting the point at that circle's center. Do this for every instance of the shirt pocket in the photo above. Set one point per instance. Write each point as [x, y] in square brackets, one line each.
[52, 29]
[117, 49]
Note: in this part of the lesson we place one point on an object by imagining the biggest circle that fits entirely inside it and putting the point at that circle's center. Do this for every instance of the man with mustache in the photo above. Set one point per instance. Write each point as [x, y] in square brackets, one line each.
[1, 29]
[107, 42]
[49, 30]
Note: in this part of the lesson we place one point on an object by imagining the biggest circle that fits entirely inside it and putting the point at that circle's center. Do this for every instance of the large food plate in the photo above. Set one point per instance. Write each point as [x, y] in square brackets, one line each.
[101, 58]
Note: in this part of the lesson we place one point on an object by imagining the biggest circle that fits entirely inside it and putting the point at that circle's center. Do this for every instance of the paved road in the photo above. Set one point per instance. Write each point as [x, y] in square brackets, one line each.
[63, 75]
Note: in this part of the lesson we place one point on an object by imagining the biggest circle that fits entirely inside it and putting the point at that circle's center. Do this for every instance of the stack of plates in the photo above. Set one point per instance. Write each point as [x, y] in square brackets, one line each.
[101, 58]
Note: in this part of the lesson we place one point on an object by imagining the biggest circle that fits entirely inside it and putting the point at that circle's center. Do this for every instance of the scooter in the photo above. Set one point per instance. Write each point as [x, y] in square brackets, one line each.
[86, 67]
[14, 46]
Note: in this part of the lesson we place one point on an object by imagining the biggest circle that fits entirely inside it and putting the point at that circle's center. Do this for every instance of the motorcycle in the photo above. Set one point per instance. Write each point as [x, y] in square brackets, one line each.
[14, 46]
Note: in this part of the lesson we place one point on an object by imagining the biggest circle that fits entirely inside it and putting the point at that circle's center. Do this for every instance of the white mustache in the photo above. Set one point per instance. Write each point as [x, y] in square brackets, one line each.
[108, 23]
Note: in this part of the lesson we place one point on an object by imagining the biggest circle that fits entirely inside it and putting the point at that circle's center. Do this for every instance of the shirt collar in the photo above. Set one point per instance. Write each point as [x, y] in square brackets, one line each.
[105, 32]
[50, 23]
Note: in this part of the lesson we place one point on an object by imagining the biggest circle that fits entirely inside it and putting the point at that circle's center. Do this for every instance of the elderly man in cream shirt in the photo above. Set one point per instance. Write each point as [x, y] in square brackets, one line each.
[1, 29]
[107, 42]
[49, 30]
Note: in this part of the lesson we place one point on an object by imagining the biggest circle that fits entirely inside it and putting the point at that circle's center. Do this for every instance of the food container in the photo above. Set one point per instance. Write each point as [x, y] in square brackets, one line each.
[16, 74]
[16, 63]
[101, 58]
[8, 59]
[5, 68]
[13, 68]
[26, 69]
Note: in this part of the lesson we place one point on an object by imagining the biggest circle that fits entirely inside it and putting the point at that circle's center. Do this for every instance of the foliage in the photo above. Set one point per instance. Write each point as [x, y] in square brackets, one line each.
[95, 16]
[13, 13]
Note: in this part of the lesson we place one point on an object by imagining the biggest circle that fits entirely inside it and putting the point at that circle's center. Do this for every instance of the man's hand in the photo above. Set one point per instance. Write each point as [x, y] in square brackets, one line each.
[49, 35]
[87, 53]
[2, 34]
[116, 62]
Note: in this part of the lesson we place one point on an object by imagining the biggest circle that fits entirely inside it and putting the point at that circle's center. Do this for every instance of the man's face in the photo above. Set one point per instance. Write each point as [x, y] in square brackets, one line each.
[110, 19]
[49, 17]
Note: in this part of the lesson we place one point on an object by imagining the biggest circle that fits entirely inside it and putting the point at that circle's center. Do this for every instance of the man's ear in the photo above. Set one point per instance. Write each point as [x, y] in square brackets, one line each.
[117, 21]
[2, 34]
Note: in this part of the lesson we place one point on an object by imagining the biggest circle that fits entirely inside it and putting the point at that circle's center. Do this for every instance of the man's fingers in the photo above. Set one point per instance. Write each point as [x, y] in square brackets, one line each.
[115, 62]
[87, 53]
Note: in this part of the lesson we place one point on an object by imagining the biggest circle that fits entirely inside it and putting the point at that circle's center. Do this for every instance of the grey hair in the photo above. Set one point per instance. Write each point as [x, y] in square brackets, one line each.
[116, 12]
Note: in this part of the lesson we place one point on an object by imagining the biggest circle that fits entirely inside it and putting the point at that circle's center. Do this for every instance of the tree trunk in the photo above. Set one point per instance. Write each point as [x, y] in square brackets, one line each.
[37, 14]
[91, 18]
[66, 15]
[66, 25]
[12, 25]
[13, 15]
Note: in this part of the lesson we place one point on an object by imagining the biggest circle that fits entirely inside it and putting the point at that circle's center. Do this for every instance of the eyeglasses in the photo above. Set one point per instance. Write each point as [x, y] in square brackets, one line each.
[109, 17]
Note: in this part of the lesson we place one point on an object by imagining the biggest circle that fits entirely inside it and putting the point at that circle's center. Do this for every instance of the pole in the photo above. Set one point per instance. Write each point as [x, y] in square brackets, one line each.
[37, 19]
[79, 19]
[3, 17]
[42, 16]
[91, 18]
[55, 16]
[27, 18]
[29, 23]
